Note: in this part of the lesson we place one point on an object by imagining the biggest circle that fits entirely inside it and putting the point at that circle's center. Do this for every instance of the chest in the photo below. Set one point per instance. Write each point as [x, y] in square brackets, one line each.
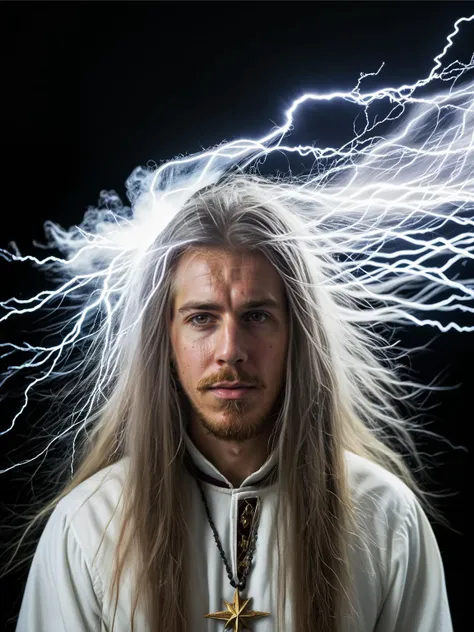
[244, 522]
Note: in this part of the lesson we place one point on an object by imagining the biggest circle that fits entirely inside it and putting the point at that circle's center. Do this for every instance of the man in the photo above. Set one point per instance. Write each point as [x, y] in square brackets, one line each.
[231, 481]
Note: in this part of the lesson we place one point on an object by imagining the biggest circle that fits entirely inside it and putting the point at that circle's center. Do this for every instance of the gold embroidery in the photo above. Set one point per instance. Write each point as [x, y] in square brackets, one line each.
[247, 515]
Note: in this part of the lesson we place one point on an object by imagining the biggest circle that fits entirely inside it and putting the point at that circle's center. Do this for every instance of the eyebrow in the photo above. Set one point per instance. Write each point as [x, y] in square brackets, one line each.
[215, 307]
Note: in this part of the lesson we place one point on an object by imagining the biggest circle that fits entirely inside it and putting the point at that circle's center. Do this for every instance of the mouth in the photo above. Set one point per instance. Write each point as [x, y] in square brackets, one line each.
[232, 391]
[232, 385]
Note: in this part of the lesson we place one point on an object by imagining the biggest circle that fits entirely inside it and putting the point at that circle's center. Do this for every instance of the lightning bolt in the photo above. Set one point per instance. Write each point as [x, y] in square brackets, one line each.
[393, 216]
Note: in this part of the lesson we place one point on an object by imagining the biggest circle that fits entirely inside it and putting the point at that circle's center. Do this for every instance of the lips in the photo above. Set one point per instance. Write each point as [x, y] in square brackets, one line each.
[233, 386]
[232, 392]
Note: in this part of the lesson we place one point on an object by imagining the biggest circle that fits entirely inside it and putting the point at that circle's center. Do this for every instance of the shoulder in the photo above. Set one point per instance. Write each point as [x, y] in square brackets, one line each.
[74, 556]
[89, 515]
[396, 551]
[383, 502]
[99, 495]
[371, 483]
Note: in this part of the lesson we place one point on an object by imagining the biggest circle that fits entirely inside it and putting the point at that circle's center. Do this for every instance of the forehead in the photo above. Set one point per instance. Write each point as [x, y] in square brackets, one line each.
[205, 272]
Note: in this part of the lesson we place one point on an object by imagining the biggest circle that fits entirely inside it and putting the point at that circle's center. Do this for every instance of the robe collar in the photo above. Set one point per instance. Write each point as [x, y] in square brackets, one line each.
[207, 472]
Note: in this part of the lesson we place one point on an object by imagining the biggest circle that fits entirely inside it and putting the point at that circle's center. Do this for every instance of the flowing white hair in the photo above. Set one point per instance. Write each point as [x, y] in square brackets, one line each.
[389, 218]
[374, 235]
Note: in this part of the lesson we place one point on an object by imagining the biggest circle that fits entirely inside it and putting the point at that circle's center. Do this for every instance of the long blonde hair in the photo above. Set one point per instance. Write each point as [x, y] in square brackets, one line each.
[333, 237]
[339, 395]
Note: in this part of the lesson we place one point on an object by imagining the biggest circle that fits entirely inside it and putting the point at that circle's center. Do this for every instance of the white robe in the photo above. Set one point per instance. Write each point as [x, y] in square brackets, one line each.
[399, 587]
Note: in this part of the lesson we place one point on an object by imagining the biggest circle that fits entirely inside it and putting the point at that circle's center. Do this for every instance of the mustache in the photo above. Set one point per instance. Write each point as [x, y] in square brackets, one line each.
[226, 375]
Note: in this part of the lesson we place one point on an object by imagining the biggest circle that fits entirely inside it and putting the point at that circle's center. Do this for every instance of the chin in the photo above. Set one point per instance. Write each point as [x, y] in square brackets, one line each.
[232, 428]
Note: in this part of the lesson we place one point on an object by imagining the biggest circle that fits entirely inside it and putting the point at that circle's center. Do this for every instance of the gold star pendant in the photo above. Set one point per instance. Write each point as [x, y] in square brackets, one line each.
[235, 615]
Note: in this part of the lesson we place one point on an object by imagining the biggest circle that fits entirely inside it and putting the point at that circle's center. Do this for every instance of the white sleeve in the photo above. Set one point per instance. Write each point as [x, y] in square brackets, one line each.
[416, 599]
[60, 593]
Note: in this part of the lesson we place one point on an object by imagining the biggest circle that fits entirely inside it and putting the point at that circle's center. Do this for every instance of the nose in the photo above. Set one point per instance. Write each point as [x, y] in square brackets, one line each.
[230, 345]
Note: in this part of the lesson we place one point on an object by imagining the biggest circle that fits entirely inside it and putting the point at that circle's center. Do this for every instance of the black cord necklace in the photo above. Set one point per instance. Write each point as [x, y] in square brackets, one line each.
[236, 613]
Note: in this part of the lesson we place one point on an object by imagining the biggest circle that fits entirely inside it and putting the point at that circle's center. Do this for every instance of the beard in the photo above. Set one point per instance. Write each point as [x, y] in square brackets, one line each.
[237, 424]
[235, 427]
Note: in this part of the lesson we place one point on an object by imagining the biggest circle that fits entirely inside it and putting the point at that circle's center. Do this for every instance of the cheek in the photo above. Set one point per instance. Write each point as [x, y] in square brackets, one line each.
[271, 357]
[274, 349]
[192, 359]
[203, 352]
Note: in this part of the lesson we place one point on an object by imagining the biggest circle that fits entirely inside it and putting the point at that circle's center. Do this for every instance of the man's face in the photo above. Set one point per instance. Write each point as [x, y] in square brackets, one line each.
[229, 323]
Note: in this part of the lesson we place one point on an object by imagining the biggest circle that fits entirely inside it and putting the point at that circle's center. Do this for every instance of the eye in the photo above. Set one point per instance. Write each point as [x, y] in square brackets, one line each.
[259, 315]
[199, 323]
[201, 320]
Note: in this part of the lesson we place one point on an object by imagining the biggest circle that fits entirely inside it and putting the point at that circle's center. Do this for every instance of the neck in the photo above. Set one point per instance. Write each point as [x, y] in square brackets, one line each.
[236, 460]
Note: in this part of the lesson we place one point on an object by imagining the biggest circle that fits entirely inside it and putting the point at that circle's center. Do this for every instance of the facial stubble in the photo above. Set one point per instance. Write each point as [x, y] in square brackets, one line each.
[234, 427]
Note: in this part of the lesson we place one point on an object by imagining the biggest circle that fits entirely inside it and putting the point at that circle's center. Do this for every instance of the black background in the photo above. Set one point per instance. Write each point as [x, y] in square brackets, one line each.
[89, 90]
